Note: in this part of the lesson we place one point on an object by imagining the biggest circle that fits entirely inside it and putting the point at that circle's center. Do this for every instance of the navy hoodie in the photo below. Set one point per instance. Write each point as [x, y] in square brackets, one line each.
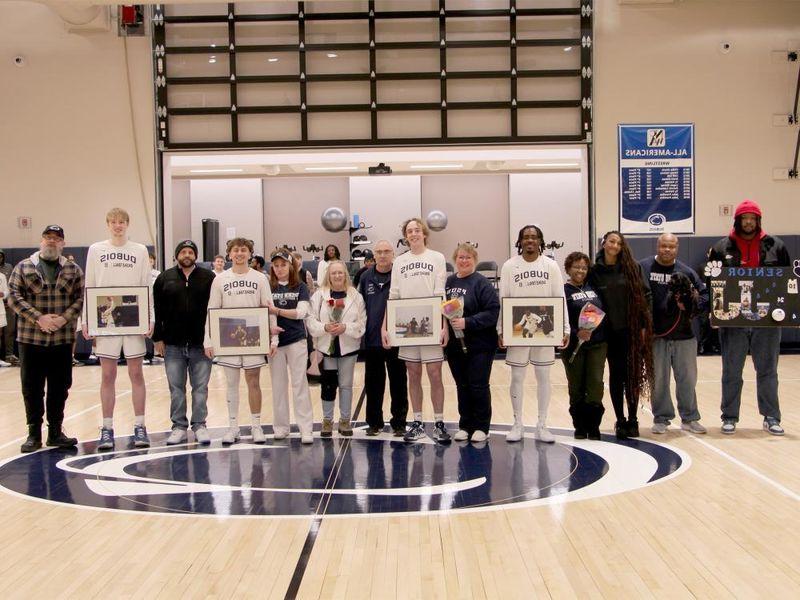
[481, 311]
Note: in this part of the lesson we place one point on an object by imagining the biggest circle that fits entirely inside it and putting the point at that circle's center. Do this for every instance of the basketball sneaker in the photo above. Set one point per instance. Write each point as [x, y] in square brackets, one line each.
[440, 432]
[416, 431]
[140, 439]
[106, 441]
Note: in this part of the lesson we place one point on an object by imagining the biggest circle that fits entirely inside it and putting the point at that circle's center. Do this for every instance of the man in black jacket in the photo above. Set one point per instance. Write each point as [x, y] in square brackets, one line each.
[678, 295]
[374, 285]
[748, 246]
[180, 297]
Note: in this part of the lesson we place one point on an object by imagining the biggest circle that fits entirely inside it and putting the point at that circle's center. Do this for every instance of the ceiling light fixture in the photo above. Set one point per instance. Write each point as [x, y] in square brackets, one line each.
[331, 168]
[568, 49]
[424, 167]
[332, 55]
[272, 59]
[552, 165]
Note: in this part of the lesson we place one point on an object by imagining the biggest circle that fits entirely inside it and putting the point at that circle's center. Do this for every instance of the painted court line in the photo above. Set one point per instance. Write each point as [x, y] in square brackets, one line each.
[754, 472]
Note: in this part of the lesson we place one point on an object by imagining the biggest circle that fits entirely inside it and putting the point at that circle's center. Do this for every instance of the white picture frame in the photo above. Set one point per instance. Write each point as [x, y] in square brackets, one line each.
[239, 331]
[117, 310]
[533, 321]
[414, 321]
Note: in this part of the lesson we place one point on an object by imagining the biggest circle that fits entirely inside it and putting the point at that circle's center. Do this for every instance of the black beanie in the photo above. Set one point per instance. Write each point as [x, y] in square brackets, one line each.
[186, 244]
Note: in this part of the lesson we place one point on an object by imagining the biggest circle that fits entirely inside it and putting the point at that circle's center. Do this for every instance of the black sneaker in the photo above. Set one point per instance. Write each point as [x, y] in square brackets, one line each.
[398, 431]
[32, 444]
[580, 434]
[594, 434]
[440, 432]
[372, 431]
[58, 439]
[621, 430]
[632, 428]
[416, 431]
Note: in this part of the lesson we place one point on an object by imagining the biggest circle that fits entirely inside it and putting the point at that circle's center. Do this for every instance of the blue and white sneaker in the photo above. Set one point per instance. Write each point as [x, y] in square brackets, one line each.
[106, 439]
[140, 439]
[416, 431]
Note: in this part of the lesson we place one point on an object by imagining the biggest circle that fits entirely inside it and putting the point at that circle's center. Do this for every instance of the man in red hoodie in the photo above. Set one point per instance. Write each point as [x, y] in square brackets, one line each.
[748, 246]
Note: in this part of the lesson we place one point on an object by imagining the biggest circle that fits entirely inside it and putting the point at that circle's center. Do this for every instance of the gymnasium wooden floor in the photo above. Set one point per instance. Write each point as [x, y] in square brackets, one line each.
[728, 526]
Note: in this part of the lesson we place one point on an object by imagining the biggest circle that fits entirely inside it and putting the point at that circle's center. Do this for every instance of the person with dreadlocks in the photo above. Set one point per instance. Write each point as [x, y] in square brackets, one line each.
[625, 293]
[531, 274]
[748, 245]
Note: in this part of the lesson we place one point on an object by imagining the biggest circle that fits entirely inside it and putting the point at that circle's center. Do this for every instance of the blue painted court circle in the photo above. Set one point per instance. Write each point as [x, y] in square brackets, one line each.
[338, 477]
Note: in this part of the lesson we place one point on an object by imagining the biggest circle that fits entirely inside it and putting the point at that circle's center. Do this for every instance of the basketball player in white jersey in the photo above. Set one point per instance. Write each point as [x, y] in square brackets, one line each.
[111, 263]
[531, 274]
[241, 287]
[421, 273]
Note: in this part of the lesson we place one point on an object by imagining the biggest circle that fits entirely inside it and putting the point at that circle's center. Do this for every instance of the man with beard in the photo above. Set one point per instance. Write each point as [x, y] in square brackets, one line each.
[46, 291]
[180, 296]
[748, 245]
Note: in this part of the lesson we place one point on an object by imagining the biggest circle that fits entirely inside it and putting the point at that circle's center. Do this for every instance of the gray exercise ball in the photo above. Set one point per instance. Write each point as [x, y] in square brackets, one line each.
[437, 220]
[333, 219]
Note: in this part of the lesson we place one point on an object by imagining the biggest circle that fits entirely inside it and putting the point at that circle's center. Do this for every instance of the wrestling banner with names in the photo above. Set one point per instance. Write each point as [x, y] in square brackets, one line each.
[656, 178]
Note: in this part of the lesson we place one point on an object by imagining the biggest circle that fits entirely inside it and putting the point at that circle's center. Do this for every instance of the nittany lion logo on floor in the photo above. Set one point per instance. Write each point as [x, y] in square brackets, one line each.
[356, 476]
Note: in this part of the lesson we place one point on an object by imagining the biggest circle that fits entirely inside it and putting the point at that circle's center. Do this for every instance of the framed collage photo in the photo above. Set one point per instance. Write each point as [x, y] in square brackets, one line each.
[123, 310]
[414, 321]
[533, 321]
[239, 331]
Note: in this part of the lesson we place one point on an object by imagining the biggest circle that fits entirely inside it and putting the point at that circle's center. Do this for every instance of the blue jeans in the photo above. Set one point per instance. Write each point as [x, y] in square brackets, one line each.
[679, 356]
[764, 344]
[178, 360]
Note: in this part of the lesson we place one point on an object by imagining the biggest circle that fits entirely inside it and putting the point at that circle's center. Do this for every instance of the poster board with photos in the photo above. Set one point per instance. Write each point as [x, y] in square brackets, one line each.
[239, 331]
[753, 296]
[533, 321]
[414, 321]
[118, 310]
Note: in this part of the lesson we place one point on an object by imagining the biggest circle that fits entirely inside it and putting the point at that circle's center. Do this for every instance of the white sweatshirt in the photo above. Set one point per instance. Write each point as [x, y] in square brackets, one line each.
[538, 279]
[240, 290]
[418, 275]
[108, 265]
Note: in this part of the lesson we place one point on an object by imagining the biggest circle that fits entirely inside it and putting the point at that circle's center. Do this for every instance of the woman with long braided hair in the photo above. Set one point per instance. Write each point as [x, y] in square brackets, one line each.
[617, 277]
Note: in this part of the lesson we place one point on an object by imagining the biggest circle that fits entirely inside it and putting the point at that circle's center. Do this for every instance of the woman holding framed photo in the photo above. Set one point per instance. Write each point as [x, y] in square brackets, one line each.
[337, 322]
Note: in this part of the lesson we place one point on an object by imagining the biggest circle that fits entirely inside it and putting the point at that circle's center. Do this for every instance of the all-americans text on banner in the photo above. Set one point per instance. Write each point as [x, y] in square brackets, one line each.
[656, 178]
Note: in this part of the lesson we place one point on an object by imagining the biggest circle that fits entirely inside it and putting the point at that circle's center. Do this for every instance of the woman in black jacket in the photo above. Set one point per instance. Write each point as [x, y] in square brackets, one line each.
[617, 277]
[472, 368]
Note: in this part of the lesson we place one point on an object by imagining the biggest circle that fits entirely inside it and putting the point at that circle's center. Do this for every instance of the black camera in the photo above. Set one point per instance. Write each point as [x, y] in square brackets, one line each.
[680, 291]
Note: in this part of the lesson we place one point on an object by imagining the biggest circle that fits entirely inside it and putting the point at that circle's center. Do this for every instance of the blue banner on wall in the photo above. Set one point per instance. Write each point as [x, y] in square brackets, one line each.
[656, 178]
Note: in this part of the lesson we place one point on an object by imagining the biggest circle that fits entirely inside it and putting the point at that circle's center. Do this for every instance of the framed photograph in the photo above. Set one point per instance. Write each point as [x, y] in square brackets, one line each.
[414, 321]
[239, 331]
[118, 310]
[533, 321]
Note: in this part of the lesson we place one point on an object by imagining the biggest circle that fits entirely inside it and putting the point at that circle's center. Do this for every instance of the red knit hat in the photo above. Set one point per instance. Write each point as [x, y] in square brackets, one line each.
[748, 206]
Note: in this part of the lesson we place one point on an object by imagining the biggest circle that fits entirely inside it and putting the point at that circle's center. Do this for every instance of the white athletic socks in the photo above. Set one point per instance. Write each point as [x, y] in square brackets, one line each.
[542, 391]
[108, 423]
[418, 416]
[232, 395]
[517, 391]
[138, 420]
[255, 420]
[438, 417]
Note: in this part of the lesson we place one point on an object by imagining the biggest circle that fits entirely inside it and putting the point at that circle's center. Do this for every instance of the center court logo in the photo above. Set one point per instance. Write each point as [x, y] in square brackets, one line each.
[360, 476]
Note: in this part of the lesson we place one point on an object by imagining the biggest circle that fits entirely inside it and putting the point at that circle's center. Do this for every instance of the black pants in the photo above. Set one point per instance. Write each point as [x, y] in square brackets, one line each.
[40, 365]
[377, 362]
[618, 375]
[472, 372]
[329, 383]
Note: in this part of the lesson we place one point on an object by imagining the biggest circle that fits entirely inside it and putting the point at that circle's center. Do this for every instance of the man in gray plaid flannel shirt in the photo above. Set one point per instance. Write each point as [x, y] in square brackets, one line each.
[46, 292]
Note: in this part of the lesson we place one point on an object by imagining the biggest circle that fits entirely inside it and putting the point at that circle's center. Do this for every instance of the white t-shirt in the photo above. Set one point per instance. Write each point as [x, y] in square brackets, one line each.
[538, 279]
[418, 275]
[108, 265]
[240, 290]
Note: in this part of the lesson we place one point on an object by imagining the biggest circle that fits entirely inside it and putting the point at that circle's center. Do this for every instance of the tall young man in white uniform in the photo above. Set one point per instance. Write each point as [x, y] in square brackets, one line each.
[421, 273]
[111, 263]
[531, 274]
[241, 287]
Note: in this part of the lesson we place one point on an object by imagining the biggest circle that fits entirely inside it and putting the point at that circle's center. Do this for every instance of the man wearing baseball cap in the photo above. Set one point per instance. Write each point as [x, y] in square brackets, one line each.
[46, 292]
[748, 245]
[180, 297]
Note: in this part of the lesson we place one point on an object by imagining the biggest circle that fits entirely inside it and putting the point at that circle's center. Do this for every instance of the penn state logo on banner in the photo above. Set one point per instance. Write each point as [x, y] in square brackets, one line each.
[357, 476]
